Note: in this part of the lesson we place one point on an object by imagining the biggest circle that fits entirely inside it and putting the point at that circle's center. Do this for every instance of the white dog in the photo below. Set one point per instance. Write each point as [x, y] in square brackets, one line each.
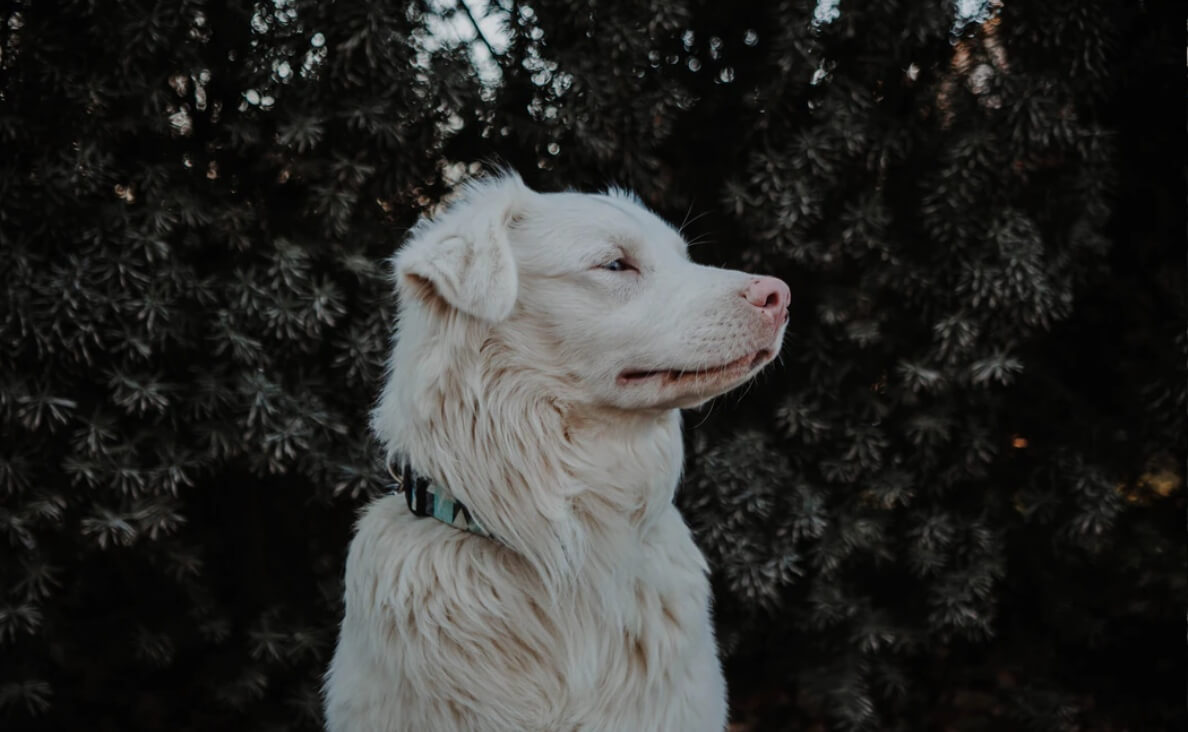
[545, 345]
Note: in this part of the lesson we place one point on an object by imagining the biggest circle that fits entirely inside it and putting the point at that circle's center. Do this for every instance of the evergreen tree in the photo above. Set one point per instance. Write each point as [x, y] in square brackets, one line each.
[956, 503]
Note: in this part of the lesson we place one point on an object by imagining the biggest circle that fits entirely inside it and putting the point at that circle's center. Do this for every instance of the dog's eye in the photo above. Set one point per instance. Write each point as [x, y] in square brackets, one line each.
[617, 265]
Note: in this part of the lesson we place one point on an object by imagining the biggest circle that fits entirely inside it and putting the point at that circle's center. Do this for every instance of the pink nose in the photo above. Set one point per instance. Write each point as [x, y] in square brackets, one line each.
[770, 295]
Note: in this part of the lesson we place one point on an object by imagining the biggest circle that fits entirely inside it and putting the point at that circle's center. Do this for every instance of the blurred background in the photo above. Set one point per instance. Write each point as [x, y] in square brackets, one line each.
[957, 503]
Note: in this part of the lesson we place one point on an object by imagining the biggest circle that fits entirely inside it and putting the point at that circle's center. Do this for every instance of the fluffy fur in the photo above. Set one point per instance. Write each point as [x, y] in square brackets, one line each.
[545, 345]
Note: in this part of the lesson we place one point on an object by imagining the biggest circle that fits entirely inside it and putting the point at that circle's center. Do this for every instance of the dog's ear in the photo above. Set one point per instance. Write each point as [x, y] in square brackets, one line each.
[463, 259]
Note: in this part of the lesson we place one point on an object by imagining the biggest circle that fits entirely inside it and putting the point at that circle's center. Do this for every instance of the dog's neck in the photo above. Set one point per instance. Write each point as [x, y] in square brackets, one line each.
[560, 483]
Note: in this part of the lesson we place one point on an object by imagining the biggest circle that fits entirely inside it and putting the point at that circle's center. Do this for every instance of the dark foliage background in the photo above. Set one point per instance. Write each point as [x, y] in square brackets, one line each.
[957, 504]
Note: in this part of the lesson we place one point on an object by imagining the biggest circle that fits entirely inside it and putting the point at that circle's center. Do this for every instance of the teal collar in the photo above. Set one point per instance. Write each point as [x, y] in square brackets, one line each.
[426, 498]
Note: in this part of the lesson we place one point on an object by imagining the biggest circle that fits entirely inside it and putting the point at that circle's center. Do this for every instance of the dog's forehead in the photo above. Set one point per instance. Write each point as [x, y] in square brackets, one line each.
[608, 217]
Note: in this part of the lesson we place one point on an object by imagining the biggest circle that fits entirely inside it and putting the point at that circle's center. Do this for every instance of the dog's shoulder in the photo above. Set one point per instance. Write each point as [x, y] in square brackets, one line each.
[388, 541]
[380, 527]
[398, 559]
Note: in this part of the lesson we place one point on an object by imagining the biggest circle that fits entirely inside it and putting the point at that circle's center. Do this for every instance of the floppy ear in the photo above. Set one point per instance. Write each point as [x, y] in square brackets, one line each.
[463, 258]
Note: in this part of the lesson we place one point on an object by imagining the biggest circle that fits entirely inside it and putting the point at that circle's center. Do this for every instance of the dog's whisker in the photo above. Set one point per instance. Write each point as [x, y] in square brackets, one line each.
[709, 409]
[685, 221]
[695, 219]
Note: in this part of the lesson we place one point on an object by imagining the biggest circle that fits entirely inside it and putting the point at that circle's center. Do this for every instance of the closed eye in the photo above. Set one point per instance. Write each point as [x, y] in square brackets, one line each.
[618, 265]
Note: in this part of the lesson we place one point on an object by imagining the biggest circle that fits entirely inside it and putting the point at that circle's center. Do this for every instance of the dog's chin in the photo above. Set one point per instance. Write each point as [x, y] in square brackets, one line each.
[687, 388]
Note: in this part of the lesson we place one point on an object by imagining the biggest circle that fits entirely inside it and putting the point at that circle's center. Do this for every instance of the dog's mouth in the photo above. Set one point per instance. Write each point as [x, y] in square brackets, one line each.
[736, 367]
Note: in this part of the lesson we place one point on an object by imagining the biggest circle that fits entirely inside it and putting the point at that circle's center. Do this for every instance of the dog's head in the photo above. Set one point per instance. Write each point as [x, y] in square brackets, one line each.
[590, 296]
